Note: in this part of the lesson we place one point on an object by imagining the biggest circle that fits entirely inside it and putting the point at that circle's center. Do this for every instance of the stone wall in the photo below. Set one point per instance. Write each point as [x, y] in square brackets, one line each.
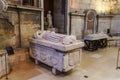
[18, 37]
[7, 30]
[106, 20]
[30, 23]
[102, 7]
[77, 24]
[115, 26]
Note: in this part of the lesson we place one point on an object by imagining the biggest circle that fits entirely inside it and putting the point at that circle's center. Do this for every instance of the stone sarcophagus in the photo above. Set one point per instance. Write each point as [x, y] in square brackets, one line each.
[4, 64]
[61, 52]
[95, 41]
[92, 38]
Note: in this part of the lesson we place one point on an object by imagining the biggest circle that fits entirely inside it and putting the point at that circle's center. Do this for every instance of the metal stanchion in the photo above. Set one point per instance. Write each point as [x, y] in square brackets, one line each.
[118, 67]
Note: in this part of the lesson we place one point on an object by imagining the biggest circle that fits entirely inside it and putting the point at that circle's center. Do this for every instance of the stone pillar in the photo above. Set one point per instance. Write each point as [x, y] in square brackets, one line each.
[41, 5]
[68, 16]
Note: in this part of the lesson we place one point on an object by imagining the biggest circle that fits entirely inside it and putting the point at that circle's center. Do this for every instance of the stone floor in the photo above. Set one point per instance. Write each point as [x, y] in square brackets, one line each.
[97, 65]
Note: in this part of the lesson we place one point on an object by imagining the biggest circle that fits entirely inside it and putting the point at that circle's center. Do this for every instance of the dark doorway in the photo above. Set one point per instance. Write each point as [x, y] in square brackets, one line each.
[57, 8]
[48, 5]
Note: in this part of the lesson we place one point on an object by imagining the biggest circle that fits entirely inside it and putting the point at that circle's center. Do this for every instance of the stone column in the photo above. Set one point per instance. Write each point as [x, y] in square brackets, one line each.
[68, 16]
[42, 14]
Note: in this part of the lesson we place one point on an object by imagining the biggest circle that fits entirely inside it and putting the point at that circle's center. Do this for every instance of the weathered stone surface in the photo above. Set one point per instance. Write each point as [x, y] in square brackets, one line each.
[77, 26]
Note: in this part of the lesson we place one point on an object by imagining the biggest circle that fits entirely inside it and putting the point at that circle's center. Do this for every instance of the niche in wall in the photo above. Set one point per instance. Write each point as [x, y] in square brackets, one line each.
[34, 3]
[28, 2]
